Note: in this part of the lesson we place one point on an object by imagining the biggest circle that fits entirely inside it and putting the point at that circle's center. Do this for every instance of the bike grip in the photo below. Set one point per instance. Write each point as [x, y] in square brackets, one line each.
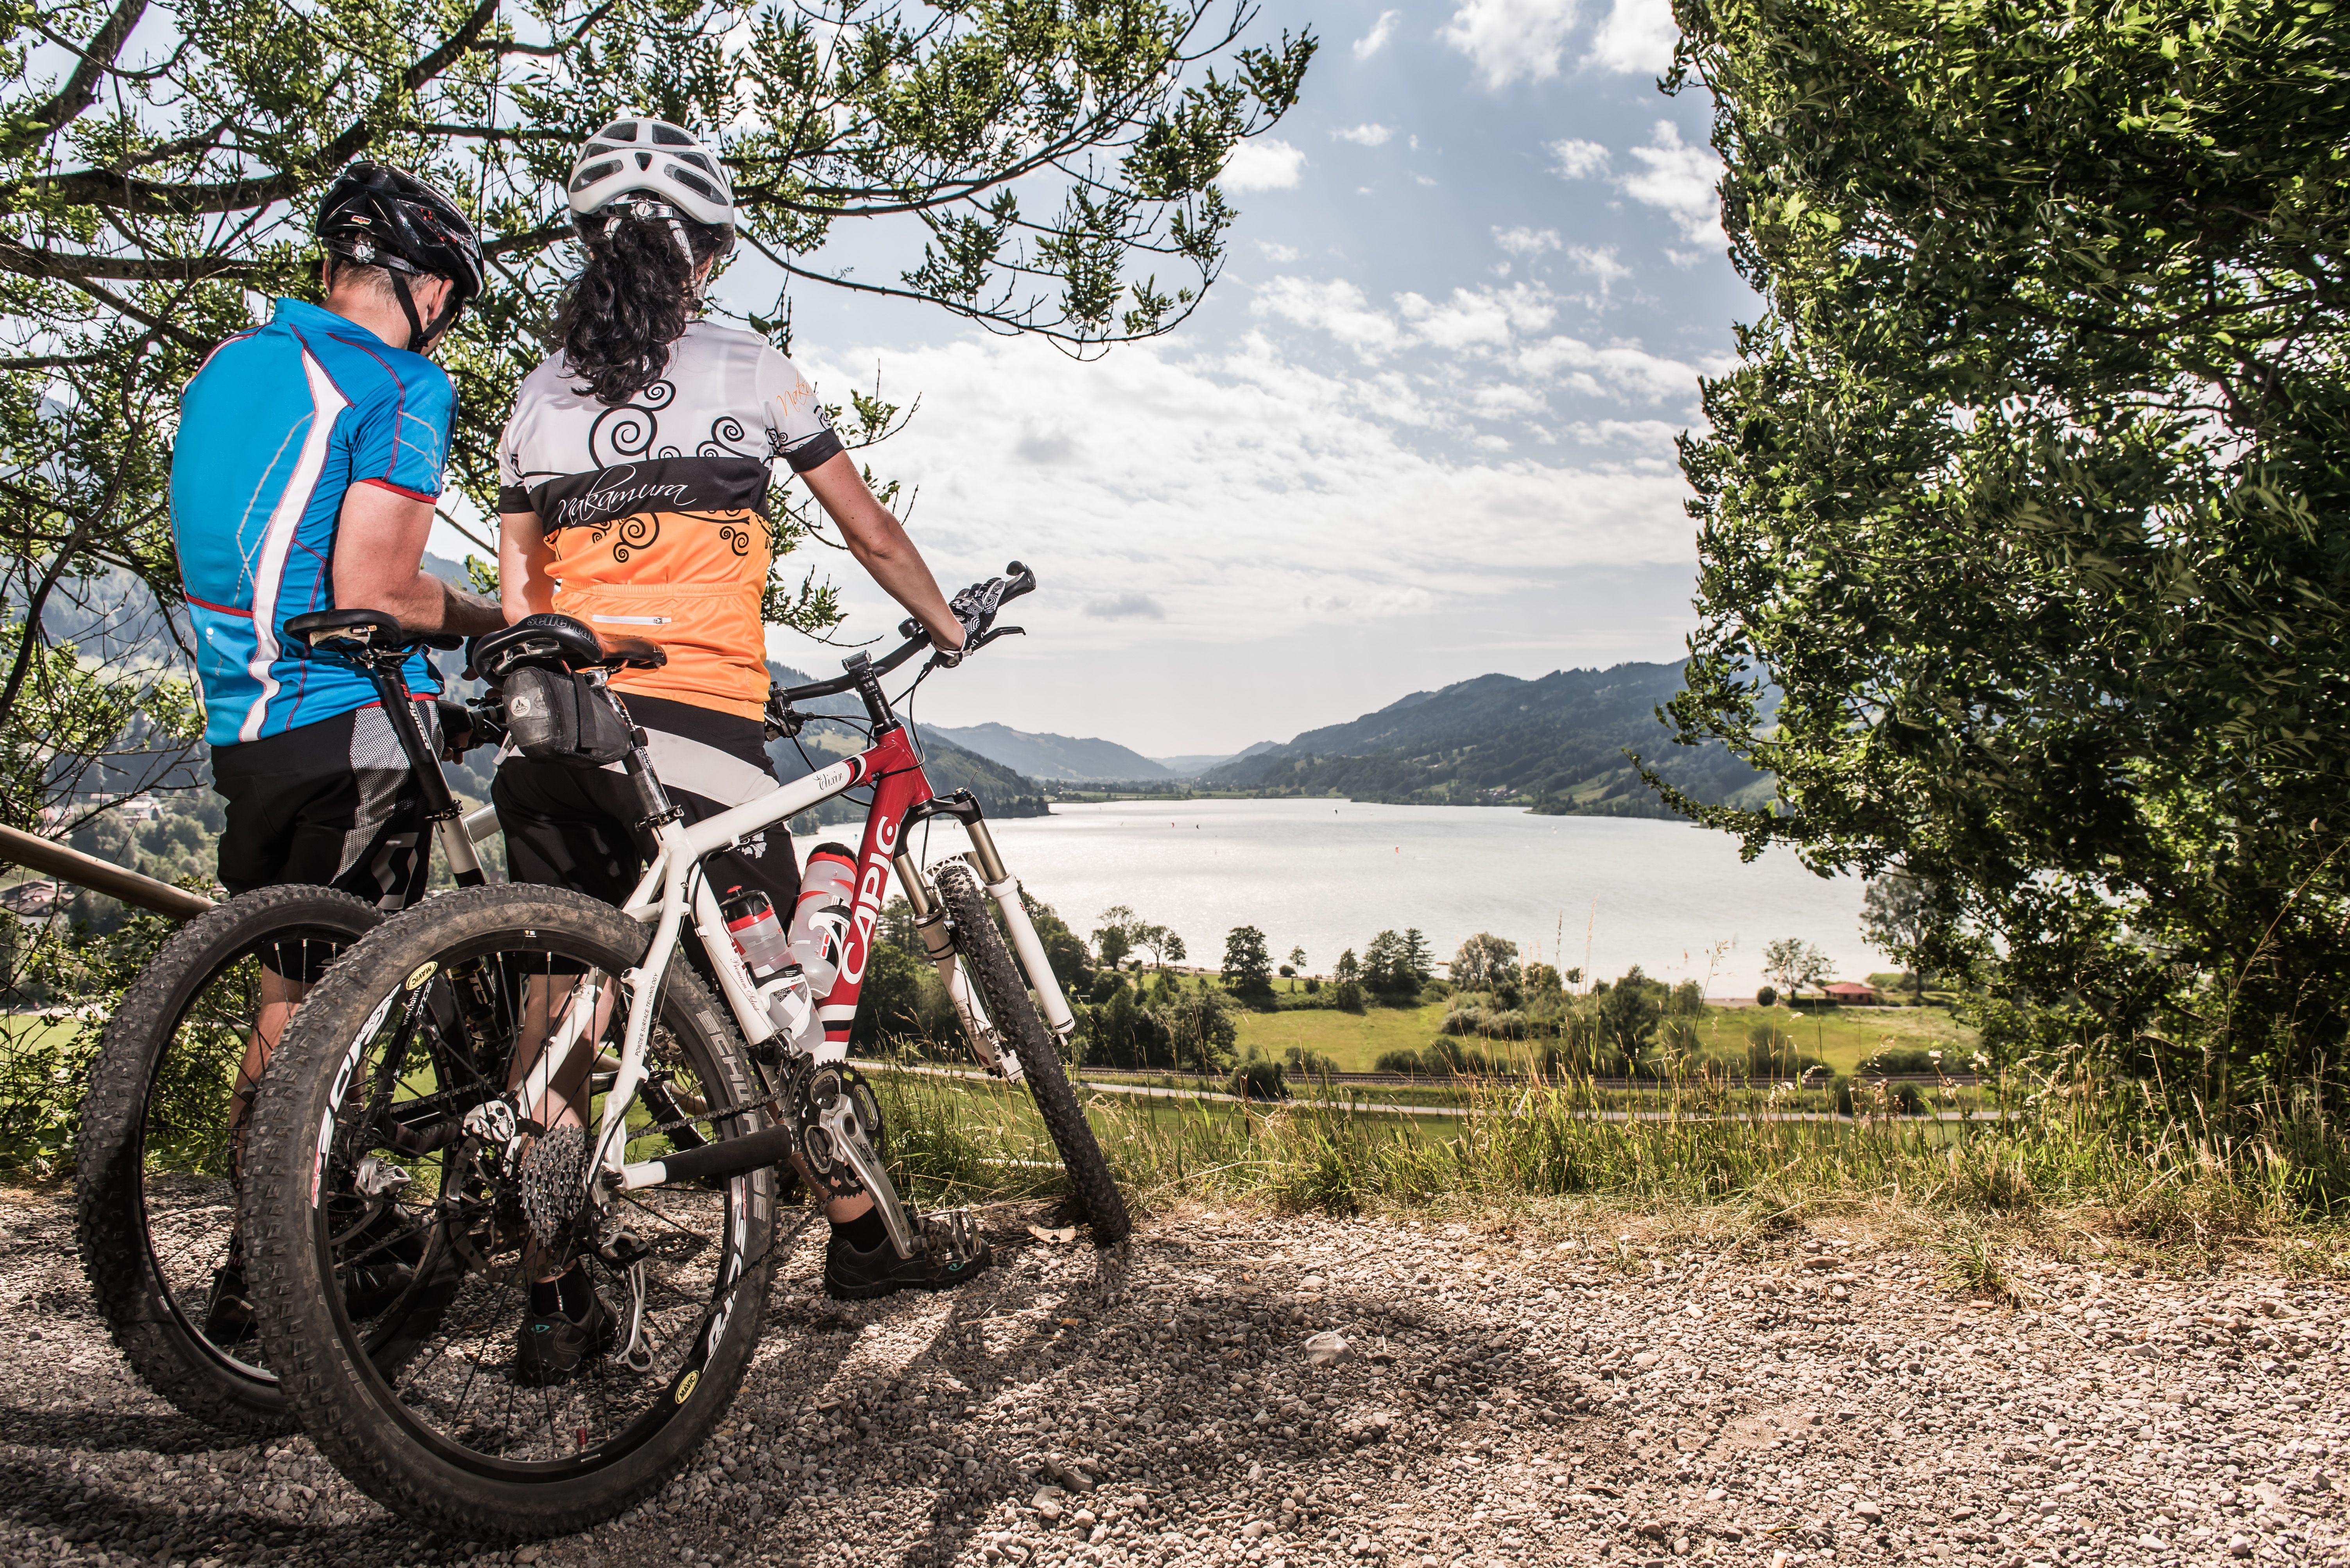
[1019, 580]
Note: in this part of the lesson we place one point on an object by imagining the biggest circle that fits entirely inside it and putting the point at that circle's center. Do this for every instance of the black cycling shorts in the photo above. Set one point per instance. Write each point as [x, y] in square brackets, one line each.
[577, 827]
[331, 804]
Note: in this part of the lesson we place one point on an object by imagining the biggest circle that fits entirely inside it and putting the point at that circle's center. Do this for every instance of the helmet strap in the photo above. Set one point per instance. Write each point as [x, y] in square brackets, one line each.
[408, 308]
[419, 335]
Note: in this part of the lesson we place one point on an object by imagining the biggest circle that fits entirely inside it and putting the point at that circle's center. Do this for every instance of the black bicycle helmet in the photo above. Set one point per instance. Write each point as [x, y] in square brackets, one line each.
[379, 215]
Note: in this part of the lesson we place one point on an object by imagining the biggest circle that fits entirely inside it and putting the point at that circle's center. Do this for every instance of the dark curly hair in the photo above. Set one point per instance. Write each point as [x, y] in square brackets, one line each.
[632, 301]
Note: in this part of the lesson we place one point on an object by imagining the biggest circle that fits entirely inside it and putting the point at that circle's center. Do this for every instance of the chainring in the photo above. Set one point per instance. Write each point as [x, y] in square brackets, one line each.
[555, 1186]
[815, 1088]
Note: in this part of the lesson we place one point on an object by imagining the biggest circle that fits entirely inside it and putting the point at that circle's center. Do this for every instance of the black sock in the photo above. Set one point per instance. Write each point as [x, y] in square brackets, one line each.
[864, 1233]
[545, 1297]
[578, 1294]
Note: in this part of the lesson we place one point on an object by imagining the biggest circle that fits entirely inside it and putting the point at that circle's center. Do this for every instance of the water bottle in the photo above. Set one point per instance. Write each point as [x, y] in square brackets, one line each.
[758, 935]
[820, 916]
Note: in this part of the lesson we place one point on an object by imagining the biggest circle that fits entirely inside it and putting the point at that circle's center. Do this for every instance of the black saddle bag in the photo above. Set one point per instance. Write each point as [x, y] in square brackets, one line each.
[556, 716]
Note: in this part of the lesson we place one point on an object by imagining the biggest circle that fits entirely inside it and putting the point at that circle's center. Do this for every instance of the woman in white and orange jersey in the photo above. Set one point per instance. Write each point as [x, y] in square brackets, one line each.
[635, 474]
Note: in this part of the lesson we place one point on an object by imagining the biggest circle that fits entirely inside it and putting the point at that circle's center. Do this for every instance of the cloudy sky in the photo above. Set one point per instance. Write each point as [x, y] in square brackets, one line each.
[1421, 429]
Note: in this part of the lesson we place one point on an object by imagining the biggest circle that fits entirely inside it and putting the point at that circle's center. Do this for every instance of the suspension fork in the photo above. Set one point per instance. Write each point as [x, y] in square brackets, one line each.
[995, 1051]
[929, 920]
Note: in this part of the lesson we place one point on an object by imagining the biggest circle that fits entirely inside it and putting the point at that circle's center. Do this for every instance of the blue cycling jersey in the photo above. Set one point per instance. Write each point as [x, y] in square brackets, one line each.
[278, 424]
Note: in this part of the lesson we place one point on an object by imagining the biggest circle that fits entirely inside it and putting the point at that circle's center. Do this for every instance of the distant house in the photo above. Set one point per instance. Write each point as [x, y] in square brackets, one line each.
[33, 900]
[1852, 994]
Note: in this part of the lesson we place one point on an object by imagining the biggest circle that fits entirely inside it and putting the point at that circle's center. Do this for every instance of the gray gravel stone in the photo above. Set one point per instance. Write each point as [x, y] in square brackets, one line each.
[1517, 1400]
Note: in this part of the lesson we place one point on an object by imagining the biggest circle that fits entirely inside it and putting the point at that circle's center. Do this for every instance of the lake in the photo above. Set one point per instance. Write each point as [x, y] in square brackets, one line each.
[1324, 875]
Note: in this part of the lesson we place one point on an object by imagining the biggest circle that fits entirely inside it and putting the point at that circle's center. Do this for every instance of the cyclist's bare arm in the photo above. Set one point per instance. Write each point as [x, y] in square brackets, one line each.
[879, 541]
[378, 565]
[523, 586]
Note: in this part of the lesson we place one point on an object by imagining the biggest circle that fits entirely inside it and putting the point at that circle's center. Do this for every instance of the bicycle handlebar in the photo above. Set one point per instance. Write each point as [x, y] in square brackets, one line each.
[1020, 580]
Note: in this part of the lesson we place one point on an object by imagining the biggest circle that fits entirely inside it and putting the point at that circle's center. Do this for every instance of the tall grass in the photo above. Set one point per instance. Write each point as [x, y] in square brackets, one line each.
[2065, 1143]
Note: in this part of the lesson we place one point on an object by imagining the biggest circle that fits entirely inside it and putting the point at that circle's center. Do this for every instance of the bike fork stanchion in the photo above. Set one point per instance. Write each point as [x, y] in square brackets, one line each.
[931, 925]
[1004, 890]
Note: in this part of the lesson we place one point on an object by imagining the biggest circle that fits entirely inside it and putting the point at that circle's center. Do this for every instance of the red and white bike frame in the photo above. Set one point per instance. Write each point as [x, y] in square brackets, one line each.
[671, 886]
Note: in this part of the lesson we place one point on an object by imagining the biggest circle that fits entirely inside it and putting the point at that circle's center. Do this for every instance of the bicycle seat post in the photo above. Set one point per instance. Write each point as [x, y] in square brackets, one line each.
[386, 670]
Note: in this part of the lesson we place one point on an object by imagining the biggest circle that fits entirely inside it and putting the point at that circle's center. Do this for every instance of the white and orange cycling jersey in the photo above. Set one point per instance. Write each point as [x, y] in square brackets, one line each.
[655, 509]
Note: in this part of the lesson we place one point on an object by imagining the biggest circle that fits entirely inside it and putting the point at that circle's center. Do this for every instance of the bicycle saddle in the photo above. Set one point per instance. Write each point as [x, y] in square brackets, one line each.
[558, 638]
[351, 632]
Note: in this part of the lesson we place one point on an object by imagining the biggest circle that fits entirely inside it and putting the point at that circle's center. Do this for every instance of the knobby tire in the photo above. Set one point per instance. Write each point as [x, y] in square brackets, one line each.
[347, 1403]
[989, 964]
[158, 1328]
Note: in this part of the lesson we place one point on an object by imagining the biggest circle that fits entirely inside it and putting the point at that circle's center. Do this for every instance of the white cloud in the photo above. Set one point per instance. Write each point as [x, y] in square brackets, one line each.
[1511, 40]
[1479, 338]
[1526, 241]
[1240, 480]
[1364, 135]
[1621, 370]
[1578, 160]
[1481, 315]
[1125, 606]
[1263, 163]
[1637, 36]
[1337, 307]
[1372, 42]
[1278, 252]
[1599, 263]
[1680, 179]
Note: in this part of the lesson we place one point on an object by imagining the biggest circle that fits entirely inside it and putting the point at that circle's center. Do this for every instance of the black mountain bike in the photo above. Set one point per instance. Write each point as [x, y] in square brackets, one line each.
[162, 1124]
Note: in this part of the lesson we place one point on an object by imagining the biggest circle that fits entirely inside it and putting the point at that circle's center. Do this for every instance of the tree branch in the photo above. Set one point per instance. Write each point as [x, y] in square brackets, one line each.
[26, 262]
[81, 89]
[104, 188]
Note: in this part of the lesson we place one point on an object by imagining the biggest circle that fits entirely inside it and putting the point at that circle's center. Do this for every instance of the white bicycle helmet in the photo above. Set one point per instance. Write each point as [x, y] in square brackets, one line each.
[658, 163]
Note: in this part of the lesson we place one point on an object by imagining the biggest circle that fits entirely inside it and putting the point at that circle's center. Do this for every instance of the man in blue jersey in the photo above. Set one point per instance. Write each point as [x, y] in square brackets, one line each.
[304, 477]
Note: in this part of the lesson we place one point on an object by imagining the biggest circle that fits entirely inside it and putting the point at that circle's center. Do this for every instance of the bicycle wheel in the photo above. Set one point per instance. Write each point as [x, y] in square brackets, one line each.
[156, 1161]
[989, 963]
[413, 1033]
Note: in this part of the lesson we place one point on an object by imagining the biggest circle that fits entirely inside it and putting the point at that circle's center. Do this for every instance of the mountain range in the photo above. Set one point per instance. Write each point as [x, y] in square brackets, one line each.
[1001, 791]
[1555, 745]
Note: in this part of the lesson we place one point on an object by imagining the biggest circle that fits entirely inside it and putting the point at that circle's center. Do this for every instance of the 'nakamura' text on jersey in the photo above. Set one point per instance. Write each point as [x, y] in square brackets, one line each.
[655, 509]
[274, 428]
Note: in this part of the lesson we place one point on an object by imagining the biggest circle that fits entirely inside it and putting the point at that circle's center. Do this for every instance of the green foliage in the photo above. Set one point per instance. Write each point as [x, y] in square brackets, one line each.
[1561, 745]
[1258, 1077]
[890, 1006]
[1485, 962]
[1627, 1012]
[2028, 502]
[1202, 1031]
[1767, 996]
[1794, 965]
[1248, 966]
[1395, 965]
[1905, 917]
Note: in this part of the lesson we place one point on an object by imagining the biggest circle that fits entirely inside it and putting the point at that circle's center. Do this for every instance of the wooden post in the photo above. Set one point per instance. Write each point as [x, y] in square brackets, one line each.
[68, 864]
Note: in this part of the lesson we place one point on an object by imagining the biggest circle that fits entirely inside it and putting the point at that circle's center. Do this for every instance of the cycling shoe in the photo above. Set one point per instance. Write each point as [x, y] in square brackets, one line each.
[949, 1251]
[551, 1347]
[228, 1315]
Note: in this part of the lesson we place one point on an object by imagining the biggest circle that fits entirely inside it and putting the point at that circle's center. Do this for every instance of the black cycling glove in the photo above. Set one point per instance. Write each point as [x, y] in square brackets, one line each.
[974, 607]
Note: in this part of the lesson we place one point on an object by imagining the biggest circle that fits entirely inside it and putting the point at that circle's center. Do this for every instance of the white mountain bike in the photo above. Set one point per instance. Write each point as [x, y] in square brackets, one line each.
[417, 1070]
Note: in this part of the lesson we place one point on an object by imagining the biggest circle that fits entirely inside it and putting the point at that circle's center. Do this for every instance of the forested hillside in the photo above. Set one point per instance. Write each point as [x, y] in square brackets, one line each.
[1557, 744]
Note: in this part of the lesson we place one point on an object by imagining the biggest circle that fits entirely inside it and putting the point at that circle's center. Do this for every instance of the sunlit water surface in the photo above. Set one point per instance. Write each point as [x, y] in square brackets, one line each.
[1324, 875]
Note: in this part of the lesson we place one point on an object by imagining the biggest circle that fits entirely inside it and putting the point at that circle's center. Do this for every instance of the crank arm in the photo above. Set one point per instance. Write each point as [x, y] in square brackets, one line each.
[848, 1136]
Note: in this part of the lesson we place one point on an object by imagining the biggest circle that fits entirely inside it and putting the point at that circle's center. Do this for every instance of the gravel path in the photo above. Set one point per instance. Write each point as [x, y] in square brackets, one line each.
[1503, 1397]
